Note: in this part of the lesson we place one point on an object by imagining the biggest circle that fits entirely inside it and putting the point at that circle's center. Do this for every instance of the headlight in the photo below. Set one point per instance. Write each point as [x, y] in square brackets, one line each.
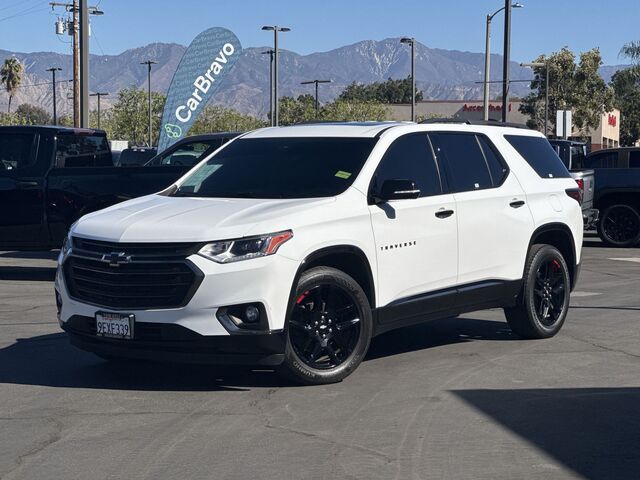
[227, 251]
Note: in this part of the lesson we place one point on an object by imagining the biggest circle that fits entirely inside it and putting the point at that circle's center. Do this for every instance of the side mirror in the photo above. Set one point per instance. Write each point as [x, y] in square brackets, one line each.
[397, 189]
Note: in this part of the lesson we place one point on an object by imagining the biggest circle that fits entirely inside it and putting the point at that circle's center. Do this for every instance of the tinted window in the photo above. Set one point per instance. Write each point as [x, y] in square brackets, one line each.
[187, 154]
[15, 151]
[82, 151]
[602, 160]
[280, 168]
[410, 158]
[465, 161]
[497, 166]
[539, 154]
[136, 156]
[634, 159]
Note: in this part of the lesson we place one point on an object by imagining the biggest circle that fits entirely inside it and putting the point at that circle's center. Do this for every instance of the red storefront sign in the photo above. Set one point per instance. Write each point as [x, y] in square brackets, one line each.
[480, 108]
[612, 120]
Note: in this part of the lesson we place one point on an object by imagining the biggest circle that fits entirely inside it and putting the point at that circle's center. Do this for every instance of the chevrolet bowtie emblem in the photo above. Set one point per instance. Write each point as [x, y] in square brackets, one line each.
[115, 259]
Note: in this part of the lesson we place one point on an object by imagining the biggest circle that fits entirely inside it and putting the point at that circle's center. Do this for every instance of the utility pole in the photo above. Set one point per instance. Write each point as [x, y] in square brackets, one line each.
[275, 30]
[317, 103]
[412, 41]
[53, 71]
[99, 95]
[270, 52]
[148, 63]
[505, 60]
[80, 48]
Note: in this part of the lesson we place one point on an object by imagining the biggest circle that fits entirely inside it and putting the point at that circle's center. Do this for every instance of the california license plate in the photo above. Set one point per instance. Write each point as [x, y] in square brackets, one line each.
[115, 325]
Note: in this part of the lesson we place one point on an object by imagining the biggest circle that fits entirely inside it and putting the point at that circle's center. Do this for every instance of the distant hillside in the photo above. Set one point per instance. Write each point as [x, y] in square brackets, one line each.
[441, 74]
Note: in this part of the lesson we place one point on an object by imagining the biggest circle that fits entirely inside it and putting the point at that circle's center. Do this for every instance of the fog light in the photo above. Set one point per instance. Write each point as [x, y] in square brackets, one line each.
[251, 314]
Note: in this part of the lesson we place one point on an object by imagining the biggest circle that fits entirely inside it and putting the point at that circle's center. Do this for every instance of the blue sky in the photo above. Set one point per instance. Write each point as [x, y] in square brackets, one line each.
[542, 26]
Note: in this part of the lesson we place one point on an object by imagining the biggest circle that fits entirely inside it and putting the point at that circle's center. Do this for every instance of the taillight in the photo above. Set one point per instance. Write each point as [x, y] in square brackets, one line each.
[580, 182]
[575, 193]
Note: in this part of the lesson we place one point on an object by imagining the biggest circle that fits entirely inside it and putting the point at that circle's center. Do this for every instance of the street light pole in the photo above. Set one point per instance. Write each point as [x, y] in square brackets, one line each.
[412, 41]
[275, 30]
[270, 52]
[317, 103]
[487, 61]
[53, 71]
[544, 65]
[99, 95]
[148, 63]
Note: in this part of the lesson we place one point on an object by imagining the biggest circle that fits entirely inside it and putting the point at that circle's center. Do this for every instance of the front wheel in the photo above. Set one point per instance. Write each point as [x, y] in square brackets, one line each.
[619, 226]
[329, 328]
[544, 302]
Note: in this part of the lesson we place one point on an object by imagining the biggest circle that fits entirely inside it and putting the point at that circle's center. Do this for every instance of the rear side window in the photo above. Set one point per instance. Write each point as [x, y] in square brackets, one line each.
[602, 160]
[465, 161]
[497, 167]
[16, 151]
[634, 159]
[82, 151]
[410, 158]
[539, 154]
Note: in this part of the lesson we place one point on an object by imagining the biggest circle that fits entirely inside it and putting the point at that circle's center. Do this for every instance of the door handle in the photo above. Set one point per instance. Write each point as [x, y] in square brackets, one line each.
[27, 185]
[517, 204]
[444, 213]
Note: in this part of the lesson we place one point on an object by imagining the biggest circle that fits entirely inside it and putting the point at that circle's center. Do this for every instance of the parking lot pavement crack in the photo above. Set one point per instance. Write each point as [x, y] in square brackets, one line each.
[603, 347]
[23, 459]
[333, 442]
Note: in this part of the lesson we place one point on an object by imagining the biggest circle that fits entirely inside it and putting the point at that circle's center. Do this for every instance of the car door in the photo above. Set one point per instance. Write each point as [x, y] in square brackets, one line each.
[22, 190]
[415, 238]
[494, 222]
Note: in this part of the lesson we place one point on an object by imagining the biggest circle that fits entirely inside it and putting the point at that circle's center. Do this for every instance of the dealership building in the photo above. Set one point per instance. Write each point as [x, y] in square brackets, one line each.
[606, 135]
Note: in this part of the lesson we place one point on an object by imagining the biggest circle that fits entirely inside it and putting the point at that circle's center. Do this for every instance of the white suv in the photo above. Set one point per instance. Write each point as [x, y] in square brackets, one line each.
[292, 247]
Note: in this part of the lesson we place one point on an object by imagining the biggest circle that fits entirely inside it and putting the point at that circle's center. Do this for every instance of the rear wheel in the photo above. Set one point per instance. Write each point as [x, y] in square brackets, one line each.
[329, 328]
[543, 304]
[619, 226]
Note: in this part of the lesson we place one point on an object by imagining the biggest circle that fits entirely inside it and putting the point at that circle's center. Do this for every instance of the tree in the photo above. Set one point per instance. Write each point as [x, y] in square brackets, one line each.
[215, 118]
[33, 115]
[577, 87]
[344, 111]
[128, 118]
[390, 92]
[626, 88]
[297, 110]
[631, 50]
[11, 77]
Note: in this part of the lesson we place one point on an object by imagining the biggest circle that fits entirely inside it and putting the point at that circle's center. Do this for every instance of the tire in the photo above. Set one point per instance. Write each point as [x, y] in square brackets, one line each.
[619, 226]
[328, 329]
[543, 304]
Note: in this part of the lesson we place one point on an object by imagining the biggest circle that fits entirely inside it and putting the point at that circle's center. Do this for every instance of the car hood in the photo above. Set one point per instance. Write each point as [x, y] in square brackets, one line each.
[157, 218]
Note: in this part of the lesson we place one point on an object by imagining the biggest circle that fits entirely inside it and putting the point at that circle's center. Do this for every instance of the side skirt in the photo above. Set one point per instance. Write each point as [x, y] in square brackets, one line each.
[445, 303]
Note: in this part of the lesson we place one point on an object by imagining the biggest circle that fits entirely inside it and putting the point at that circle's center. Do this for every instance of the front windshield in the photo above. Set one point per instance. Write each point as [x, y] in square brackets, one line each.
[287, 167]
[186, 154]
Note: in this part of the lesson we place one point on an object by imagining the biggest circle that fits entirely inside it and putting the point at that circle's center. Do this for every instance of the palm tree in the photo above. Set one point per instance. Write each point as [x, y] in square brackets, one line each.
[631, 50]
[11, 76]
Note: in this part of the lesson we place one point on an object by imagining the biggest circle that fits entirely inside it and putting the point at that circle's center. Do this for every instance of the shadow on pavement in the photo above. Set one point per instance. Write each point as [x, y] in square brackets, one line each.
[593, 431]
[438, 333]
[49, 360]
[34, 274]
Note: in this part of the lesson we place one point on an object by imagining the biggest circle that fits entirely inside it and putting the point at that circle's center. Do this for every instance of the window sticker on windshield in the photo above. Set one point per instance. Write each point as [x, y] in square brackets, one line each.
[341, 174]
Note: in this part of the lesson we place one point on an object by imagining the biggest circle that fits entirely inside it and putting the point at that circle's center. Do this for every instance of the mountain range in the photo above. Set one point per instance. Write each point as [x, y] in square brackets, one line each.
[441, 74]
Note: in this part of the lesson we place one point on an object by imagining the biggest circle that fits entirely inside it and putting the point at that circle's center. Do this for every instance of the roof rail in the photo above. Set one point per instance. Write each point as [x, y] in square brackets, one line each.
[490, 123]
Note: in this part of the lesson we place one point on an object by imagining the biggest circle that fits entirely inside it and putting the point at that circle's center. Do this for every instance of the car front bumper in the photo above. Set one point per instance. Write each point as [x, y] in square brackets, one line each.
[194, 333]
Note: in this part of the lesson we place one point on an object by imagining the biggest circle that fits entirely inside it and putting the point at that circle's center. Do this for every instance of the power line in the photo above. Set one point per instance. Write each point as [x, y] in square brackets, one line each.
[13, 5]
[40, 84]
[28, 11]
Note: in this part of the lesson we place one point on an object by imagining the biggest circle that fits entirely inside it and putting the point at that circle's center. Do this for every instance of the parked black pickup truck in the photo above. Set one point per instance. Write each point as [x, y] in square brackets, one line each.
[51, 176]
[617, 194]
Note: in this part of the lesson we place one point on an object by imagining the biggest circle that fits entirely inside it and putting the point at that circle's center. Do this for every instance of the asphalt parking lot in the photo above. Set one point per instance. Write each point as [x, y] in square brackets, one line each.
[458, 398]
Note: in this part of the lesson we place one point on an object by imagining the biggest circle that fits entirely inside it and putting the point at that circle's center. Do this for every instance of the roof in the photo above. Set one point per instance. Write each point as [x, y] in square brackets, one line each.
[326, 129]
[52, 128]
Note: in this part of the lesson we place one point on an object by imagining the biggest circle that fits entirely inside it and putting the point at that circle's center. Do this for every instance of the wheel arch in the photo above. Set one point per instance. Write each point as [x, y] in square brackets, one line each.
[347, 258]
[558, 235]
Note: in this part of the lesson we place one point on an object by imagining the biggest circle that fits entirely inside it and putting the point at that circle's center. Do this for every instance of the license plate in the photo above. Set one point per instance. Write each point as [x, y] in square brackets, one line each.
[115, 325]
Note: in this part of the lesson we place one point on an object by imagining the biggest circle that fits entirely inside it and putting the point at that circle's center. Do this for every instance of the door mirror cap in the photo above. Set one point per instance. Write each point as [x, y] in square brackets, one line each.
[397, 189]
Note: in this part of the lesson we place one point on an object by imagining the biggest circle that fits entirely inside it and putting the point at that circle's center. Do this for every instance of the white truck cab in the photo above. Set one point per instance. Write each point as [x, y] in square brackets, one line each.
[293, 246]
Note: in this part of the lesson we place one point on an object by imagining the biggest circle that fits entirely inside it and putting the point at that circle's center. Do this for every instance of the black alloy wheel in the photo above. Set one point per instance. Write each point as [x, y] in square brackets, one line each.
[542, 306]
[329, 327]
[619, 226]
[324, 326]
[549, 291]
